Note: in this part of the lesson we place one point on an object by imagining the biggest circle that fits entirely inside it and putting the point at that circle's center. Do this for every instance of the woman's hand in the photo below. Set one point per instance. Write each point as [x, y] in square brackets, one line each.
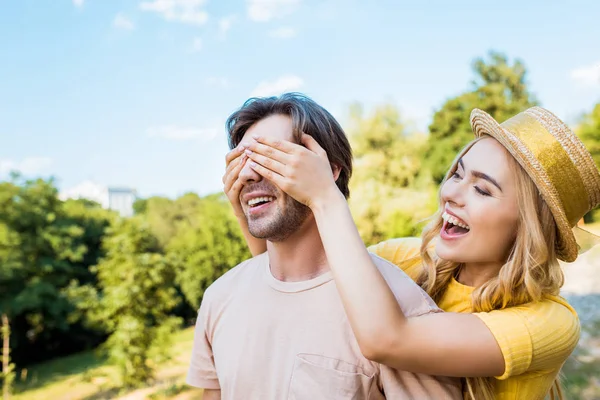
[303, 172]
[234, 161]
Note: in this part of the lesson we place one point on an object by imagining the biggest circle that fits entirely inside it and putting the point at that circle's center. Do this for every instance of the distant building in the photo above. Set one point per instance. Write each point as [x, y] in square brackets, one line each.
[121, 200]
[118, 199]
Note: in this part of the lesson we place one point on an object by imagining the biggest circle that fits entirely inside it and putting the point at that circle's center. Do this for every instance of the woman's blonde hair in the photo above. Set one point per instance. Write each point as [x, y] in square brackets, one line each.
[530, 272]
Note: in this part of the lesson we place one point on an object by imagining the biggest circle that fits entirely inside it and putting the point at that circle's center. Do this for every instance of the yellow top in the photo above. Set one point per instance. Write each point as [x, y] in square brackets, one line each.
[535, 338]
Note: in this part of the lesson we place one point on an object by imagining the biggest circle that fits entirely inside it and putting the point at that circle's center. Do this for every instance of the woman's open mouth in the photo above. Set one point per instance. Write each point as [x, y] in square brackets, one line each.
[453, 227]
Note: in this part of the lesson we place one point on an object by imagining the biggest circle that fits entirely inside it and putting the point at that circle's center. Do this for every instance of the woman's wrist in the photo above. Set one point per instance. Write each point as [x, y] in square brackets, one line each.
[331, 200]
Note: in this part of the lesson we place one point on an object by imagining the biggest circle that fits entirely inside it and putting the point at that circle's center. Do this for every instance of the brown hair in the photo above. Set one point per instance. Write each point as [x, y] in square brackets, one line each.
[307, 117]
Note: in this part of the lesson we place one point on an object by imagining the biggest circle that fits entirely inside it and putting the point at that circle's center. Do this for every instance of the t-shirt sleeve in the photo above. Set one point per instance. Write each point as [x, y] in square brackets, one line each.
[396, 384]
[202, 372]
[534, 337]
[403, 252]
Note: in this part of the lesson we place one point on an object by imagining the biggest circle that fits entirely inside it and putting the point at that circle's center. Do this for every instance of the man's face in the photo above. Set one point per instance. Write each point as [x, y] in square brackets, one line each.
[271, 214]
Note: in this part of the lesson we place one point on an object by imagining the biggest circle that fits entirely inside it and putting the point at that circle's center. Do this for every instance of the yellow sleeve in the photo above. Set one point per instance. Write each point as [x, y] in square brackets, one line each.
[533, 337]
[403, 252]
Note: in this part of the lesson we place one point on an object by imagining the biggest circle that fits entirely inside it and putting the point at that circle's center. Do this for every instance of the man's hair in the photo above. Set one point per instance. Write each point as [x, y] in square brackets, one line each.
[307, 117]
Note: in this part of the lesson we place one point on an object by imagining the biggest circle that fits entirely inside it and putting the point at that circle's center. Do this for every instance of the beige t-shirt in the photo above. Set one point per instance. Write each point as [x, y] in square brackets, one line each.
[260, 338]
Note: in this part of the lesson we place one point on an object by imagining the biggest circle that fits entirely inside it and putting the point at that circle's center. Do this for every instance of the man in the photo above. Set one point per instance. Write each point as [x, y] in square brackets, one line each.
[274, 326]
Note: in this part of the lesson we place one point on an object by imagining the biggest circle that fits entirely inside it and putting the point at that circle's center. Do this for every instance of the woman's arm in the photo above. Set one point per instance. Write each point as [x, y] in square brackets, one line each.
[448, 344]
[439, 344]
[235, 161]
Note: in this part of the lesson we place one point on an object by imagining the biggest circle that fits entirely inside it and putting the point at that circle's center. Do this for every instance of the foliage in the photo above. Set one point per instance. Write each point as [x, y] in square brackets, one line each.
[44, 244]
[208, 243]
[589, 132]
[499, 88]
[134, 296]
[391, 192]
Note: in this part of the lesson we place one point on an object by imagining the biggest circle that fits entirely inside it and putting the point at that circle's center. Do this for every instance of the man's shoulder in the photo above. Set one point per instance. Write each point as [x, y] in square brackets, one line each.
[412, 298]
[236, 276]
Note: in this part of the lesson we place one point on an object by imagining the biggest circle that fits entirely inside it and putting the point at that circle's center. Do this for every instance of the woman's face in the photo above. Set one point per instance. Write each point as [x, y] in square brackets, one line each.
[480, 209]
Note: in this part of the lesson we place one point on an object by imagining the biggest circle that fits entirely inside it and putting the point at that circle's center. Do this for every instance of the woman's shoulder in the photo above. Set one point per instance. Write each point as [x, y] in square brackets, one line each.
[539, 335]
[403, 252]
[556, 307]
[547, 312]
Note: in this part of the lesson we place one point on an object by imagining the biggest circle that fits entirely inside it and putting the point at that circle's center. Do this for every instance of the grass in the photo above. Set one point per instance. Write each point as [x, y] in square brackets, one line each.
[85, 376]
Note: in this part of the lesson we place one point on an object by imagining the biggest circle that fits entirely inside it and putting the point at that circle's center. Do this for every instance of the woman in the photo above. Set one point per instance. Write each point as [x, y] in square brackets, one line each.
[489, 257]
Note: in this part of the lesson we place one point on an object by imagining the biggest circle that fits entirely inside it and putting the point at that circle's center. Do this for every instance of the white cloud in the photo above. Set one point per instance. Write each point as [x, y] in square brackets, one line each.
[588, 75]
[196, 45]
[286, 83]
[266, 10]
[225, 24]
[78, 3]
[27, 166]
[177, 133]
[217, 81]
[122, 22]
[186, 11]
[283, 33]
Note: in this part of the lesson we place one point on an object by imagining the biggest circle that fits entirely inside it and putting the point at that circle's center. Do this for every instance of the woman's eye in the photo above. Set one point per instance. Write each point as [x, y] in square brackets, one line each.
[481, 192]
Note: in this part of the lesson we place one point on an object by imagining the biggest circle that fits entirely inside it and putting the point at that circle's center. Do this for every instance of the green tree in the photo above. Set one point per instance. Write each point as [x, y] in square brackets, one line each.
[390, 191]
[41, 250]
[589, 132]
[499, 88]
[135, 297]
[208, 243]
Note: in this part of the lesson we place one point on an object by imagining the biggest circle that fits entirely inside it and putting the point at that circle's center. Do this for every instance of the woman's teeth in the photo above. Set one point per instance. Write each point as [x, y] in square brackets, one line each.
[257, 200]
[449, 218]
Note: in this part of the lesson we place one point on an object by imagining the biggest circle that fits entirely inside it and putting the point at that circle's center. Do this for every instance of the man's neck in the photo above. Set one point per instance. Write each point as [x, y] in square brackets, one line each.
[300, 257]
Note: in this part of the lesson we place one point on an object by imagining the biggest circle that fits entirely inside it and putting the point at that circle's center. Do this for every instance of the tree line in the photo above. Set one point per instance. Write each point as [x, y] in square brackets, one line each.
[74, 276]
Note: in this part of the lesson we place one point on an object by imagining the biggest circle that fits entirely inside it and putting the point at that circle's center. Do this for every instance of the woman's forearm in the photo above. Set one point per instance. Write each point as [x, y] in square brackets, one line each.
[370, 304]
[438, 344]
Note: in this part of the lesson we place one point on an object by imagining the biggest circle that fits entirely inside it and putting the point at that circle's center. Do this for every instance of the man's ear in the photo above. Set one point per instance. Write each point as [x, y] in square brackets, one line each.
[336, 169]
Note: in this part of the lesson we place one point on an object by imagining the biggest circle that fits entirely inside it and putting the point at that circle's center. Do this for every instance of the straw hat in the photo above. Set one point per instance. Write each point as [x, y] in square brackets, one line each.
[557, 162]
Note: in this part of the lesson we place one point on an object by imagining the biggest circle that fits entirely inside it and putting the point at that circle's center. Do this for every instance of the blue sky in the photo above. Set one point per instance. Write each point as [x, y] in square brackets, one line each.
[135, 93]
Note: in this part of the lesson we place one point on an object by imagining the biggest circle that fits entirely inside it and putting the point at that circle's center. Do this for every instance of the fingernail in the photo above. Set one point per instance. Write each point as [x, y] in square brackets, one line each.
[248, 151]
[252, 164]
[255, 137]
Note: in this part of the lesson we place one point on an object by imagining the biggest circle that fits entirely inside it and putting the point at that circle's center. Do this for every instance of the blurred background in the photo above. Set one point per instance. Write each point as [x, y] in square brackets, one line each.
[112, 146]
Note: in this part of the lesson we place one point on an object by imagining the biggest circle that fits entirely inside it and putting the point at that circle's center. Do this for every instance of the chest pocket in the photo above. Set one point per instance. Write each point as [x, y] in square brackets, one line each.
[315, 377]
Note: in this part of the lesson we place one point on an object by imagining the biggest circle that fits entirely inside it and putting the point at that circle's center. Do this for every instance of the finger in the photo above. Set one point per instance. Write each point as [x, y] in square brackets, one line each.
[267, 162]
[236, 188]
[268, 174]
[310, 143]
[268, 151]
[234, 163]
[233, 154]
[232, 177]
[279, 144]
[229, 168]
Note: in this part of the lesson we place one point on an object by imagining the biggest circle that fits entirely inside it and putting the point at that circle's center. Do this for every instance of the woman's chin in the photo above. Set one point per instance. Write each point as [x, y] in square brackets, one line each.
[447, 254]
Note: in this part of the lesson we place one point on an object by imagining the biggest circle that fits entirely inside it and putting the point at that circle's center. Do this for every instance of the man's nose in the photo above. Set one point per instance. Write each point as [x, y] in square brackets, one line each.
[248, 175]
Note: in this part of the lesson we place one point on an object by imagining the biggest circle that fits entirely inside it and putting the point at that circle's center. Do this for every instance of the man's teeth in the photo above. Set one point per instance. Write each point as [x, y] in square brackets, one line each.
[454, 221]
[257, 200]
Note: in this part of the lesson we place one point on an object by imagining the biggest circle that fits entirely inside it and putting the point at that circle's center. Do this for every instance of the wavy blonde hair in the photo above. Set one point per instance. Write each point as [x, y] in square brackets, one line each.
[530, 272]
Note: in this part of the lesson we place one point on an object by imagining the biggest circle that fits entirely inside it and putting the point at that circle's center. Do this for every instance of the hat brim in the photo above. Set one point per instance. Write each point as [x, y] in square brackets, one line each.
[483, 124]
